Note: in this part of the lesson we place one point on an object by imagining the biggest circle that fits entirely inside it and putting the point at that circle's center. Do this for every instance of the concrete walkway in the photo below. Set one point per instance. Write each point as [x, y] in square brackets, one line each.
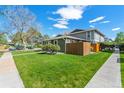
[9, 77]
[108, 76]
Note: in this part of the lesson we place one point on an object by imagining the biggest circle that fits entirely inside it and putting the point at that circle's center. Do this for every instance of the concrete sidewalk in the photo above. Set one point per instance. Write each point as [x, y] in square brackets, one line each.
[109, 75]
[9, 77]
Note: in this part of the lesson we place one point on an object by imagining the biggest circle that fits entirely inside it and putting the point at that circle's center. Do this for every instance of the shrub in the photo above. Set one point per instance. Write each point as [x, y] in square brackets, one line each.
[7, 46]
[30, 46]
[121, 47]
[38, 45]
[107, 46]
[51, 48]
[57, 48]
[19, 46]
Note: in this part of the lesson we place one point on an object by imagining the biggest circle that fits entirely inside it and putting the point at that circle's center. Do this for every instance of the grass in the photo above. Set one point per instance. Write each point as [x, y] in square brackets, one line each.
[1, 54]
[59, 71]
[122, 68]
[22, 52]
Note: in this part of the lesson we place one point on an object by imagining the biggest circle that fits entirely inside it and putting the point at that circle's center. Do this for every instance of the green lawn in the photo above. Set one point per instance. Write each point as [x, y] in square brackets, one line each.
[22, 52]
[122, 68]
[1, 54]
[60, 71]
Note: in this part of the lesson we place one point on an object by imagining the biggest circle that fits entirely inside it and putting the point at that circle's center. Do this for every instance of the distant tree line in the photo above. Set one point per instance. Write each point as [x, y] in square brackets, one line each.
[118, 42]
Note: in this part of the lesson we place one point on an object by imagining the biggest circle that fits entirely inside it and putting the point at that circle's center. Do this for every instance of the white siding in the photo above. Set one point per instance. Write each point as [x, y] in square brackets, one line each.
[92, 36]
[98, 37]
[102, 39]
[79, 35]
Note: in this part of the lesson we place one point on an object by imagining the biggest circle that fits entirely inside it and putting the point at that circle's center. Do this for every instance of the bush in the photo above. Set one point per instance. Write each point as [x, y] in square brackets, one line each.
[19, 46]
[30, 46]
[38, 45]
[106, 47]
[121, 47]
[51, 48]
[7, 46]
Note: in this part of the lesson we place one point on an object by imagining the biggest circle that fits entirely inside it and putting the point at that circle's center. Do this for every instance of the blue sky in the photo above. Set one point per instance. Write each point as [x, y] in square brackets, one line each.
[60, 19]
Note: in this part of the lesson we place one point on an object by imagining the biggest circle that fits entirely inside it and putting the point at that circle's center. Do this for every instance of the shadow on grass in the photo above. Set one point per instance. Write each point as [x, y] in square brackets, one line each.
[108, 51]
[46, 53]
[41, 53]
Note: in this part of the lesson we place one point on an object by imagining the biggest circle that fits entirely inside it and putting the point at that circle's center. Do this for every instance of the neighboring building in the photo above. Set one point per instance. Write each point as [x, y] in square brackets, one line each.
[92, 36]
[108, 39]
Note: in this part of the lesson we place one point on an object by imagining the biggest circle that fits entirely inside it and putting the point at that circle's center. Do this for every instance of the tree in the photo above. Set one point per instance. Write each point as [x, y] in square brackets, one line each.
[33, 35]
[3, 39]
[46, 37]
[16, 38]
[120, 37]
[20, 20]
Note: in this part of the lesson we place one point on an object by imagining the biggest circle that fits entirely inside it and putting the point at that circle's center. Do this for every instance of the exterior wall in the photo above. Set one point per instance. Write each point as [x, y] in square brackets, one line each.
[90, 36]
[79, 48]
[61, 43]
[79, 35]
[98, 37]
[102, 39]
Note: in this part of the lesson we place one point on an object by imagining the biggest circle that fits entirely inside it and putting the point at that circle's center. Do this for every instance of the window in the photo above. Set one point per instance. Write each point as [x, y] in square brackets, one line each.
[88, 35]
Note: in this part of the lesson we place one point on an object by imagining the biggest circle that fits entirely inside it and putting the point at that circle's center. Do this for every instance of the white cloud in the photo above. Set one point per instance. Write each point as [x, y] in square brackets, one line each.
[115, 29]
[63, 22]
[53, 19]
[105, 22]
[92, 26]
[71, 12]
[67, 13]
[60, 26]
[97, 19]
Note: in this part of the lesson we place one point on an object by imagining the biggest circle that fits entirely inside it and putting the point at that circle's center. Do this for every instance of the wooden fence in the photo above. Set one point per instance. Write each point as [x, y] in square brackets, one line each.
[79, 48]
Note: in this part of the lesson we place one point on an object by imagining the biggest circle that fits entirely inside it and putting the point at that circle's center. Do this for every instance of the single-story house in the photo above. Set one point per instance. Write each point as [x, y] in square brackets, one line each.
[87, 39]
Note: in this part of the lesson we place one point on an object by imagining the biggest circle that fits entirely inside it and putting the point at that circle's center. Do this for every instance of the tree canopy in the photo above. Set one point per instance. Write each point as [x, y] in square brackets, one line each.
[20, 19]
[120, 37]
[3, 39]
[32, 36]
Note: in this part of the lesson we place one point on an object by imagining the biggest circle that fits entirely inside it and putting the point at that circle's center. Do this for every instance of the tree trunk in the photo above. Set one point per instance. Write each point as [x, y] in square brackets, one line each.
[22, 39]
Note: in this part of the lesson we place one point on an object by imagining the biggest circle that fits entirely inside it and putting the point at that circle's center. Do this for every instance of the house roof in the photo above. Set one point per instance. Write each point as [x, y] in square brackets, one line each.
[59, 35]
[65, 37]
[74, 32]
[77, 30]
[83, 31]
